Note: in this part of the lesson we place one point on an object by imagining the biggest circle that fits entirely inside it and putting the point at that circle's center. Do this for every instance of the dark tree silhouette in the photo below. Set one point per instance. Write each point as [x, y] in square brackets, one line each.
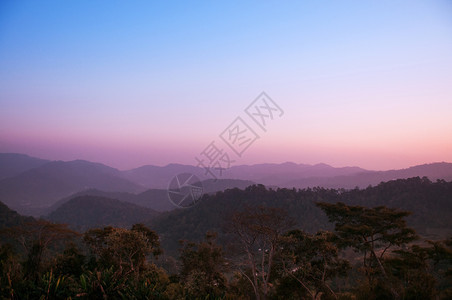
[258, 231]
[372, 232]
[312, 260]
[203, 267]
[35, 238]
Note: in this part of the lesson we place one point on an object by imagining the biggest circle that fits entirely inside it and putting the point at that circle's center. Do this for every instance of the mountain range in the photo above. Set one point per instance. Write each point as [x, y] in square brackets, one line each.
[155, 199]
[34, 186]
[84, 212]
[40, 187]
[430, 205]
[10, 218]
[12, 164]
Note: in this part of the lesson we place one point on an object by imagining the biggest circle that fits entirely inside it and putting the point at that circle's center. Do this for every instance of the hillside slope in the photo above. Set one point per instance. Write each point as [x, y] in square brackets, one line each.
[12, 164]
[33, 191]
[430, 203]
[86, 212]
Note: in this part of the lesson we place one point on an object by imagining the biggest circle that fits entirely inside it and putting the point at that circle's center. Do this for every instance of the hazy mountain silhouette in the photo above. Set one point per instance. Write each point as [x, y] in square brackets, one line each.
[277, 174]
[38, 188]
[293, 175]
[12, 164]
[121, 196]
[433, 171]
[213, 186]
[85, 212]
[10, 218]
[268, 174]
[156, 199]
[155, 177]
[429, 202]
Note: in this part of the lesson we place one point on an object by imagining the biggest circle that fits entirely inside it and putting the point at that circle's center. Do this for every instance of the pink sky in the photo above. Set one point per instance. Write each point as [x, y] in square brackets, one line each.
[361, 84]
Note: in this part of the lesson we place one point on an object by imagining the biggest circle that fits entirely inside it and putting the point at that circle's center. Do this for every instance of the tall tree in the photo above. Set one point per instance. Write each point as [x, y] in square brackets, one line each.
[411, 270]
[203, 265]
[372, 232]
[312, 261]
[440, 253]
[258, 231]
[36, 238]
[121, 247]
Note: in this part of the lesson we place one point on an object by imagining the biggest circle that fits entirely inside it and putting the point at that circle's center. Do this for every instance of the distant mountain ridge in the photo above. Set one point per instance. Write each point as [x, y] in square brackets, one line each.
[269, 174]
[12, 164]
[156, 199]
[10, 218]
[433, 171]
[278, 174]
[42, 183]
[40, 187]
[86, 212]
[155, 177]
[430, 204]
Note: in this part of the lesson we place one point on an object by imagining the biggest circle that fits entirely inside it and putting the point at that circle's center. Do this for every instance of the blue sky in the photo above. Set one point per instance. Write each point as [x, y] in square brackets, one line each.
[127, 83]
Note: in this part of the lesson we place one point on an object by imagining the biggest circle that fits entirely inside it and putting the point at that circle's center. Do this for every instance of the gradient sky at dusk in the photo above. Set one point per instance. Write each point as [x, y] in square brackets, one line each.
[362, 83]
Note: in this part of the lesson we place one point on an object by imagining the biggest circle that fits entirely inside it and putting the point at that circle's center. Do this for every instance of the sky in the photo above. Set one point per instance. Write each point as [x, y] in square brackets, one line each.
[128, 83]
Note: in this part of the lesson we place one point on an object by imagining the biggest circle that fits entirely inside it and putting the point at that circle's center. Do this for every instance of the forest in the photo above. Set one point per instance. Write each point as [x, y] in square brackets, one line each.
[256, 243]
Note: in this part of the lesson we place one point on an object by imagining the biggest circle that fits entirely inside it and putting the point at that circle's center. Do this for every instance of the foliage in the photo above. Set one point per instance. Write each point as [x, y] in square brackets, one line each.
[258, 253]
[428, 201]
[36, 239]
[312, 261]
[122, 248]
[368, 230]
[258, 231]
[411, 270]
[203, 267]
